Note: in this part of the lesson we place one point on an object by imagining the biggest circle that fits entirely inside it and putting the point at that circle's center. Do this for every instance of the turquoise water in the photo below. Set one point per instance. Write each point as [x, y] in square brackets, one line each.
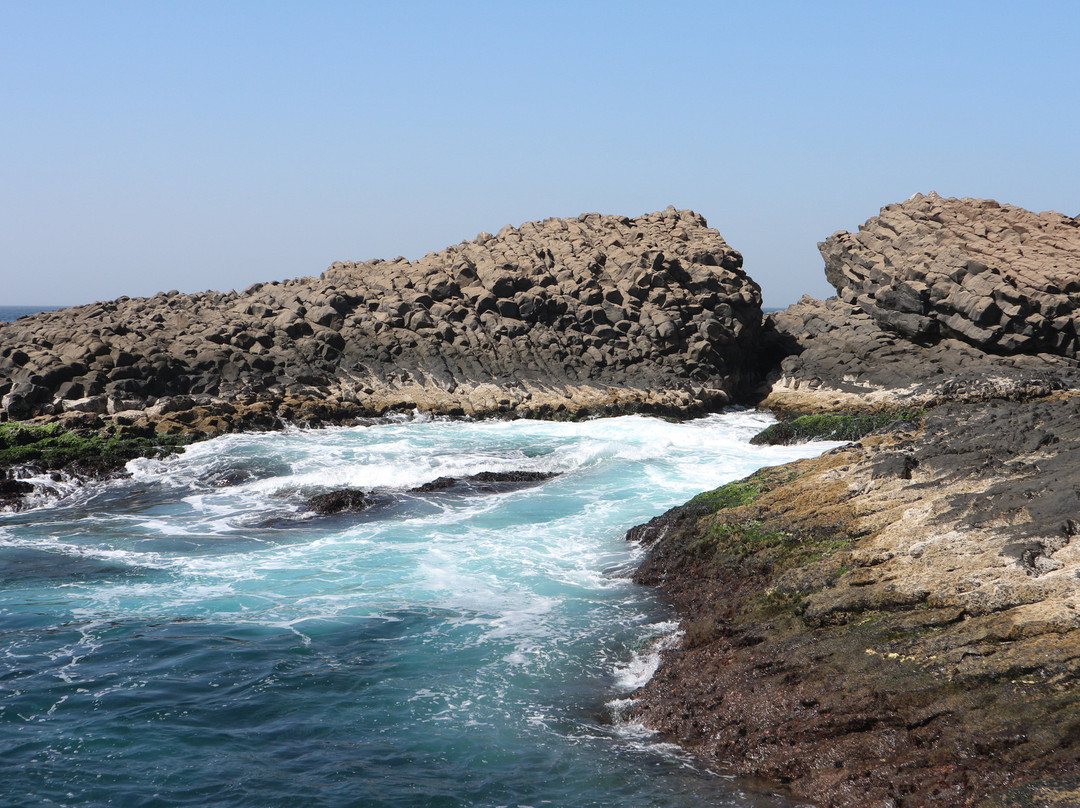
[190, 636]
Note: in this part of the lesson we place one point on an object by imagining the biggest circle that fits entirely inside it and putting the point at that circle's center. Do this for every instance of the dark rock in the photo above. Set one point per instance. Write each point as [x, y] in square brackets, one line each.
[895, 617]
[486, 481]
[13, 489]
[344, 501]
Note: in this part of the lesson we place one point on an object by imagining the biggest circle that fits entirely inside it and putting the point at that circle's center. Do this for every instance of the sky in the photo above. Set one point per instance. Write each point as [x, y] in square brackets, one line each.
[149, 146]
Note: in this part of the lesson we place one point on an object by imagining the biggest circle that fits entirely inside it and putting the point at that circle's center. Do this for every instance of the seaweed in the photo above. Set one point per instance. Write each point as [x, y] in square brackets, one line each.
[53, 446]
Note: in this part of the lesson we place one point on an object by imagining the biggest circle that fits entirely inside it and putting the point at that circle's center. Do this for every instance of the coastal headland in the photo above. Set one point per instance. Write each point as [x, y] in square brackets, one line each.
[558, 318]
[893, 623]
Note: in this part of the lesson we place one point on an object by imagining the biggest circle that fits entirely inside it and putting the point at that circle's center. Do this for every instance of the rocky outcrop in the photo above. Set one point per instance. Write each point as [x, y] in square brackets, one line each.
[894, 623]
[346, 500]
[353, 500]
[995, 276]
[938, 300]
[560, 317]
[840, 358]
[486, 482]
[897, 622]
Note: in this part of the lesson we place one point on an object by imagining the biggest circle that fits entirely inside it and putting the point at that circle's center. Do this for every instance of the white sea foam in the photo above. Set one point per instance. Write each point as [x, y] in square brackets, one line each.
[644, 662]
[527, 583]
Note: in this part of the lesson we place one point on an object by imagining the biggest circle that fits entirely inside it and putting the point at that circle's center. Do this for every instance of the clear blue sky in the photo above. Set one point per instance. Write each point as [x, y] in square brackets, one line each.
[194, 145]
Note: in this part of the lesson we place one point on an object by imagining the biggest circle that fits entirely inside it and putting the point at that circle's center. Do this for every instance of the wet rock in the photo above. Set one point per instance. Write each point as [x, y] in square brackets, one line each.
[225, 478]
[11, 489]
[346, 500]
[895, 621]
[486, 481]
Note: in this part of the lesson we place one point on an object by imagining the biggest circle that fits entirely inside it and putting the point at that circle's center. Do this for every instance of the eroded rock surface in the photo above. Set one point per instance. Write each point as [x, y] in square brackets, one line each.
[564, 316]
[842, 359]
[897, 622]
[894, 623]
[938, 300]
[997, 276]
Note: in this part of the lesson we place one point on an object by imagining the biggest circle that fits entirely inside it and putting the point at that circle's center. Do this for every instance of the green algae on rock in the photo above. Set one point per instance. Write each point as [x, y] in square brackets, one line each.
[894, 623]
[54, 446]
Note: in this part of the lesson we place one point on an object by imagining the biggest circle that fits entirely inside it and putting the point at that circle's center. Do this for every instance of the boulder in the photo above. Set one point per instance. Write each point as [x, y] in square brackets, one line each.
[346, 500]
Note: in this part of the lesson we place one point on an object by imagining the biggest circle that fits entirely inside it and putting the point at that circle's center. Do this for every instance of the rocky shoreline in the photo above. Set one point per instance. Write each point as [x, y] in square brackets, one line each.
[897, 622]
[893, 623]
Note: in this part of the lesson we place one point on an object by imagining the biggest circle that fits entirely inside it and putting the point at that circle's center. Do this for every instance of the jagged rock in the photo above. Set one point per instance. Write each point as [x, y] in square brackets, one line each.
[895, 622]
[996, 276]
[486, 481]
[562, 317]
[938, 300]
[346, 500]
[836, 356]
[24, 399]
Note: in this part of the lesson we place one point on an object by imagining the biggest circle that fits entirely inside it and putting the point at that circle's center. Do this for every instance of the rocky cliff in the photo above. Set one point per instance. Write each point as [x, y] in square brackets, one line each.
[937, 300]
[897, 622]
[560, 317]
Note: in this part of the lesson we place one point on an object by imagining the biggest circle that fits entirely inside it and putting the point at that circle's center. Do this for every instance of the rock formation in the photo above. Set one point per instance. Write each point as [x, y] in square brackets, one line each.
[995, 276]
[559, 317]
[894, 623]
[897, 622]
[938, 300]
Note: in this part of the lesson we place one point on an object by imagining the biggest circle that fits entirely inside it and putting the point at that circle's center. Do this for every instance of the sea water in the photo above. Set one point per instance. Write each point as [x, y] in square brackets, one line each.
[192, 636]
[8, 313]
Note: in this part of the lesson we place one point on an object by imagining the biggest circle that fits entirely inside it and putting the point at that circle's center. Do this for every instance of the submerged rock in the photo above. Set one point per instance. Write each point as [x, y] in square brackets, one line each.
[346, 500]
[354, 500]
[486, 481]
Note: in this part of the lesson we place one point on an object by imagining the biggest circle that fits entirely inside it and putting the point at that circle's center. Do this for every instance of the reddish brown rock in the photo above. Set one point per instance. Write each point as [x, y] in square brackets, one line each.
[893, 624]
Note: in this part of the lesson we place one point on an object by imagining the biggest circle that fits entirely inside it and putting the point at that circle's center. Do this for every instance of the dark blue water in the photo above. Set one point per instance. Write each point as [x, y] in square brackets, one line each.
[8, 313]
[165, 641]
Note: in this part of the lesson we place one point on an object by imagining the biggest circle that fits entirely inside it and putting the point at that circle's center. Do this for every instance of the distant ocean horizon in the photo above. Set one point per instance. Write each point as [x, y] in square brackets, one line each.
[9, 313]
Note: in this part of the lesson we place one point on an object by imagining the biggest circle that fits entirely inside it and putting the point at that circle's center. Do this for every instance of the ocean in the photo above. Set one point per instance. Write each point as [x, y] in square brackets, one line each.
[8, 313]
[191, 636]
